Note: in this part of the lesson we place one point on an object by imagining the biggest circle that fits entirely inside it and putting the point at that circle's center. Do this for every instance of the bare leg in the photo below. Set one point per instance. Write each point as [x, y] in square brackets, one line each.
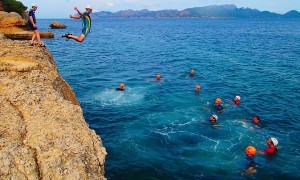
[33, 37]
[77, 38]
[37, 34]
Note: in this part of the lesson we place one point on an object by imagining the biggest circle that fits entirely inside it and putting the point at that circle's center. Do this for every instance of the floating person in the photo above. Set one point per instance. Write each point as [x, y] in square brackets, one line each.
[32, 26]
[86, 21]
[255, 120]
[121, 87]
[157, 77]
[197, 88]
[250, 152]
[218, 107]
[237, 100]
[213, 120]
[192, 73]
[271, 150]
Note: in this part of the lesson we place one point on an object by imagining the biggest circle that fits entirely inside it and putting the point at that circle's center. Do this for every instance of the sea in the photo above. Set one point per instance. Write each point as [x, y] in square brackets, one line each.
[161, 129]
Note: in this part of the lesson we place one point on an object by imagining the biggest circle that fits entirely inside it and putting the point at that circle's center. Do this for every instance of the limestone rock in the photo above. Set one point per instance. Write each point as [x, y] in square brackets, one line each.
[43, 134]
[11, 19]
[26, 35]
[57, 25]
[14, 27]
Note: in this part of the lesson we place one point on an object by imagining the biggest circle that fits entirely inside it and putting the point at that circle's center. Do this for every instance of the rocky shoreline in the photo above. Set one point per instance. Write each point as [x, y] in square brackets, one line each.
[43, 134]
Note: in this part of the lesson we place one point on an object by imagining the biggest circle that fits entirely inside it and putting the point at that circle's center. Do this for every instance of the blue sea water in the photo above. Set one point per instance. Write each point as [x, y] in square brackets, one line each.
[160, 130]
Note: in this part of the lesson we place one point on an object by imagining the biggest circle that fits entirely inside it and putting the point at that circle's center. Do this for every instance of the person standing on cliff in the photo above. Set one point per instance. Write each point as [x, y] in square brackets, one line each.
[33, 27]
[86, 21]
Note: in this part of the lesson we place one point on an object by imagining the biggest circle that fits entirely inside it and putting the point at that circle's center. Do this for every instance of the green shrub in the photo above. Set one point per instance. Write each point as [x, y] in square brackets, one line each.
[14, 6]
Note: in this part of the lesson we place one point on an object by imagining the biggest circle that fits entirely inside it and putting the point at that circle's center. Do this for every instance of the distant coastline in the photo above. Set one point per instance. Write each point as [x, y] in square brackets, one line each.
[214, 11]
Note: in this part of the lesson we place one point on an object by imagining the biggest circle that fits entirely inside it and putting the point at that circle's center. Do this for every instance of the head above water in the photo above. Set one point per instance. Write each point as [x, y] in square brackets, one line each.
[256, 119]
[218, 101]
[157, 76]
[197, 88]
[122, 85]
[213, 118]
[192, 72]
[237, 98]
[250, 151]
[272, 141]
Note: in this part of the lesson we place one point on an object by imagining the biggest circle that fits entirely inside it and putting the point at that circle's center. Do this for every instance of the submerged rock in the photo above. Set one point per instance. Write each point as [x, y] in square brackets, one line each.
[57, 25]
[43, 134]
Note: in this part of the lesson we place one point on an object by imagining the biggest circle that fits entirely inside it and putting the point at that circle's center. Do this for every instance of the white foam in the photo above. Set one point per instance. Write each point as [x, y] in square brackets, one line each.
[131, 96]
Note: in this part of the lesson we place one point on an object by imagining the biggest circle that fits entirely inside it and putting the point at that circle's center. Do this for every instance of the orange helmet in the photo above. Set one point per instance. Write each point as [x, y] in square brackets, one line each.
[256, 120]
[250, 151]
[157, 76]
[122, 85]
[198, 87]
[218, 100]
[213, 118]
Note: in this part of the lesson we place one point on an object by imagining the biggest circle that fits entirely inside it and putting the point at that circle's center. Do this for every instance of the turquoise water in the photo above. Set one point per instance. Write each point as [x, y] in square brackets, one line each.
[160, 130]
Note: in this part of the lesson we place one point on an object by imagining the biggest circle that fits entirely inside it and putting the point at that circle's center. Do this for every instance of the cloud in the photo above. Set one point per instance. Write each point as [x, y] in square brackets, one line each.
[110, 4]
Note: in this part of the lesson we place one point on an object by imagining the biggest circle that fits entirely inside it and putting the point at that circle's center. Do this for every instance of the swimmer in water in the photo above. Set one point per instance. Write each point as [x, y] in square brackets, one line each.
[157, 77]
[218, 107]
[255, 120]
[213, 120]
[192, 73]
[197, 88]
[121, 87]
[271, 150]
[237, 100]
[250, 152]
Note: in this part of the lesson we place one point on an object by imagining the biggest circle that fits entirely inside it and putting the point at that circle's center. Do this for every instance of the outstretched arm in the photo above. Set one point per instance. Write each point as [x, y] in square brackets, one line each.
[76, 9]
[76, 17]
[261, 152]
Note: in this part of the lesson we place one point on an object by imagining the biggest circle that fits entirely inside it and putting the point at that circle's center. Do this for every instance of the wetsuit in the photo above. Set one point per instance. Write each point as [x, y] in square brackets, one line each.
[251, 161]
[219, 108]
[86, 21]
[32, 14]
[119, 89]
[270, 150]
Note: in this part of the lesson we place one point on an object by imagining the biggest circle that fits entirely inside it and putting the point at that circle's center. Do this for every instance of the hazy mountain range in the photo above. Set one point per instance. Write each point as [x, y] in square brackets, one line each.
[214, 11]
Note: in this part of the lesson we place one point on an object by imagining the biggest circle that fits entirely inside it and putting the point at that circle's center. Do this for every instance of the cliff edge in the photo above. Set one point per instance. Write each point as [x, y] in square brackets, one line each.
[43, 134]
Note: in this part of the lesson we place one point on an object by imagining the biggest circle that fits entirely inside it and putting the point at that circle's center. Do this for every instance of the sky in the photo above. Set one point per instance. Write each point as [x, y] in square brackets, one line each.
[52, 9]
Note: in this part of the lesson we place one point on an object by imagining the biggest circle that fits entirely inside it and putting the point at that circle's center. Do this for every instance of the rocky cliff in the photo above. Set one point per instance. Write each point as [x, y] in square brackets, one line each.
[43, 134]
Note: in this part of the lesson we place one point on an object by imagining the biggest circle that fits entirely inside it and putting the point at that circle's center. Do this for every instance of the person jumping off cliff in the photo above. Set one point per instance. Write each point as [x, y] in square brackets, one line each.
[86, 21]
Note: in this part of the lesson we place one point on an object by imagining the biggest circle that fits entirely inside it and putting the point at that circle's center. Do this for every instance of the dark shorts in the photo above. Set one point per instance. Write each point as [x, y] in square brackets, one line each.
[31, 27]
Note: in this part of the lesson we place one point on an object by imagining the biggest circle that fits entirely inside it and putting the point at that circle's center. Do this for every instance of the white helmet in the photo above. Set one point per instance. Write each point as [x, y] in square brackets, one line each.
[88, 7]
[34, 5]
[275, 141]
[238, 97]
[215, 116]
